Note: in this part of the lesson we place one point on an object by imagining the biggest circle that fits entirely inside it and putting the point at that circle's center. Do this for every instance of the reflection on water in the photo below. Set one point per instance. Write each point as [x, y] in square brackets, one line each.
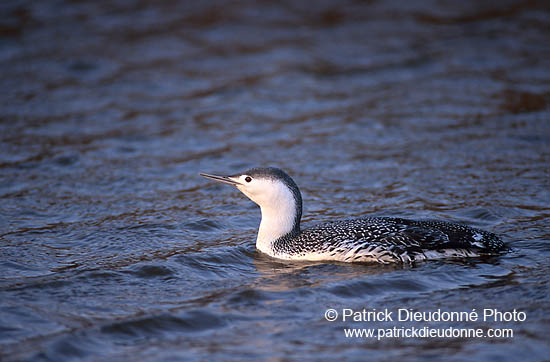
[112, 247]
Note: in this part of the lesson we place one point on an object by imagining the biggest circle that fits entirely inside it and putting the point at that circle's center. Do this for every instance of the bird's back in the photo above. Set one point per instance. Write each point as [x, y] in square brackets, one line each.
[387, 240]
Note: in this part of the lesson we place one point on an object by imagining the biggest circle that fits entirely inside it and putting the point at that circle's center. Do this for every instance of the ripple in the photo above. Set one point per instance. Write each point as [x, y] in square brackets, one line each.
[233, 262]
[378, 287]
[203, 225]
[479, 216]
[151, 271]
[154, 326]
[247, 298]
[66, 160]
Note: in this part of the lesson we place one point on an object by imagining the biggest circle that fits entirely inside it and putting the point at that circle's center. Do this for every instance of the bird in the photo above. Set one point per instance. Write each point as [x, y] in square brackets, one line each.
[382, 240]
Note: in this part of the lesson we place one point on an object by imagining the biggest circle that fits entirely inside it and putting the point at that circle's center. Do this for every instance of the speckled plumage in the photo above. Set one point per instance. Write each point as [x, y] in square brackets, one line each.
[385, 240]
[372, 239]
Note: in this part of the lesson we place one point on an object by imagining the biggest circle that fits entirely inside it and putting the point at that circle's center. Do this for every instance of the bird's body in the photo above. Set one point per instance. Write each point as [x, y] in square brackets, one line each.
[373, 239]
[385, 240]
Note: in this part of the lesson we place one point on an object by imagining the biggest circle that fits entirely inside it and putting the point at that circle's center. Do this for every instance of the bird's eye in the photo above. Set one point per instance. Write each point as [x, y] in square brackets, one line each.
[248, 179]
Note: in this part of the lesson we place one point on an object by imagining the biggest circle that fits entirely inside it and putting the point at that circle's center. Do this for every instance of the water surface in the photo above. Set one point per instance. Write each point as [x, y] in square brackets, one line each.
[113, 248]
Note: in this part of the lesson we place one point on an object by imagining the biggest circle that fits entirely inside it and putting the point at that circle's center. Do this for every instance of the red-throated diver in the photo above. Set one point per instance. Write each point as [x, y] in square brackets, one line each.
[371, 239]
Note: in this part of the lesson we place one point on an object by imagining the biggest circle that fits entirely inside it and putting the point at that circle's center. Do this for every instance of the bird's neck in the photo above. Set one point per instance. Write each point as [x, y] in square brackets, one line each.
[278, 221]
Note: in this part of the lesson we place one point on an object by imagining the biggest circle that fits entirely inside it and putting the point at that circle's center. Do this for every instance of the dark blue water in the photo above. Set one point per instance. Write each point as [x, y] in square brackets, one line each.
[113, 248]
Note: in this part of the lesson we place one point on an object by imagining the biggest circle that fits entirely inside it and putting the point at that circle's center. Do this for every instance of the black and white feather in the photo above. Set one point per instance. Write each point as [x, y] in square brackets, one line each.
[373, 239]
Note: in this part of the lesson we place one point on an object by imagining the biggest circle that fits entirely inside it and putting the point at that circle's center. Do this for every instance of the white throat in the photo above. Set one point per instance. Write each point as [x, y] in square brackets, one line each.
[278, 208]
[275, 224]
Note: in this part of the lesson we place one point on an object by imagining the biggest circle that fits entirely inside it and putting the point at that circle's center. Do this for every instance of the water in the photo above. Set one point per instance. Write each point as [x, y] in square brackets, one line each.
[113, 248]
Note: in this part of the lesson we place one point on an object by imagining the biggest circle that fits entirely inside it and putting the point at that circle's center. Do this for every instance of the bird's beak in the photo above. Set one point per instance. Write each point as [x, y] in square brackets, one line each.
[223, 179]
